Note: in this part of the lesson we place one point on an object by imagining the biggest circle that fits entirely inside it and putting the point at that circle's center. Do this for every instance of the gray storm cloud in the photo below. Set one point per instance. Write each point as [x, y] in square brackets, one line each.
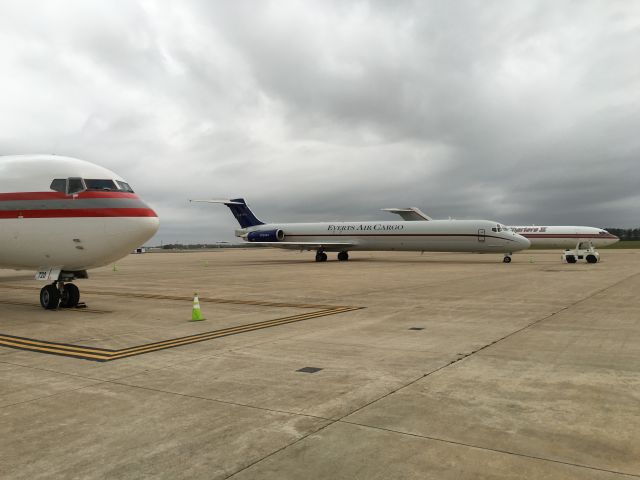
[523, 112]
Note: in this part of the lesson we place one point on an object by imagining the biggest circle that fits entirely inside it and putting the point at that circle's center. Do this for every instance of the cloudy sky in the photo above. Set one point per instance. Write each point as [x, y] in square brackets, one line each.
[522, 112]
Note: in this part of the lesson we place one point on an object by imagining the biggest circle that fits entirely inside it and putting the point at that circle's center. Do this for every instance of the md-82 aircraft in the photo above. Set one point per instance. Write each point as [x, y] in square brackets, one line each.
[567, 237]
[478, 236]
[61, 216]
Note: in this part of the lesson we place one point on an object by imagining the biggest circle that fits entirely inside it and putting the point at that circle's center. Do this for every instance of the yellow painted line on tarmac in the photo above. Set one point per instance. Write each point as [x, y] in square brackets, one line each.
[105, 355]
[154, 296]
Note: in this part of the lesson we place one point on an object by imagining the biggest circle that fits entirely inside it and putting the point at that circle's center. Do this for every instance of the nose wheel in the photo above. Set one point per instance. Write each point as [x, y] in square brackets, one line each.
[50, 297]
[507, 259]
[59, 294]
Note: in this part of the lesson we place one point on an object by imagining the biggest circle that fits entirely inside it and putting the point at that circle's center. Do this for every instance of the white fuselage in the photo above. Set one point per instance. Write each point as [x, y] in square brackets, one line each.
[40, 227]
[435, 236]
[565, 236]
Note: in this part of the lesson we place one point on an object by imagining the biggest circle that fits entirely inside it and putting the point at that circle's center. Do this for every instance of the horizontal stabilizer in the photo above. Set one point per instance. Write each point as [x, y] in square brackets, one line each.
[410, 214]
[240, 210]
[225, 202]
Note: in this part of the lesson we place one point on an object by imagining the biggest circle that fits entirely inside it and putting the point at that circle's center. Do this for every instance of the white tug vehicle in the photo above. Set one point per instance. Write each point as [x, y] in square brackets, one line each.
[584, 251]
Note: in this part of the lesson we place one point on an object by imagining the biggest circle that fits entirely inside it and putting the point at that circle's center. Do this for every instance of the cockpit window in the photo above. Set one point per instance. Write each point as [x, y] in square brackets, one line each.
[105, 185]
[75, 185]
[124, 186]
[59, 185]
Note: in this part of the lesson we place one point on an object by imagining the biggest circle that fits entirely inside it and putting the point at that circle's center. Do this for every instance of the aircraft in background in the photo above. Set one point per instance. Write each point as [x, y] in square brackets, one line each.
[478, 236]
[567, 237]
[62, 216]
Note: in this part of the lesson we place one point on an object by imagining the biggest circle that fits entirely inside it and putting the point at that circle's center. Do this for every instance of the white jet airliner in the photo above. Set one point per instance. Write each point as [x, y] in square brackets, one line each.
[565, 236]
[479, 236]
[62, 216]
[542, 236]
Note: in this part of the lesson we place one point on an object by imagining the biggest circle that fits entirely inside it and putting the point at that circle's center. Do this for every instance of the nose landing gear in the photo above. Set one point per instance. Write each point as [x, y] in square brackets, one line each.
[59, 295]
[507, 258]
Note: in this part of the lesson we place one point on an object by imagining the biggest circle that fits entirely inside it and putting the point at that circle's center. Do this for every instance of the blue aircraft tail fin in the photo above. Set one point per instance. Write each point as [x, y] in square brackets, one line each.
[243, 213]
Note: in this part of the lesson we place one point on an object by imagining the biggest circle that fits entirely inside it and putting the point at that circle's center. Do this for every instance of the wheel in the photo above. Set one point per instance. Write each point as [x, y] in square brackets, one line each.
[323, 257]
[318, 257]
[592, 259]
[50, 297]
[343, 256]
[506, 259]
[70, 296]
[571, 259]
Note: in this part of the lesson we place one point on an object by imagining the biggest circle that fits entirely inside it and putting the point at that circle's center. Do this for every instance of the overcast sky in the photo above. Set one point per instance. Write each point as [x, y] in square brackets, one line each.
[522, 112]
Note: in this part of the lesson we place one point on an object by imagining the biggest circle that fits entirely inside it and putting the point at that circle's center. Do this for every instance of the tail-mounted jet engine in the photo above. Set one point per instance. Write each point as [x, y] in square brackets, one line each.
[266, 236]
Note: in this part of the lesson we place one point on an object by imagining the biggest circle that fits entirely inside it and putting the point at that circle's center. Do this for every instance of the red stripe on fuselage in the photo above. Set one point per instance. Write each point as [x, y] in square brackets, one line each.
[79, 213]
[62, 196]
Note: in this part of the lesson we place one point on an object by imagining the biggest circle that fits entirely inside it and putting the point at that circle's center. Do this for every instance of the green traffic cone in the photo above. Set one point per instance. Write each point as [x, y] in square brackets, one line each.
[196, 313]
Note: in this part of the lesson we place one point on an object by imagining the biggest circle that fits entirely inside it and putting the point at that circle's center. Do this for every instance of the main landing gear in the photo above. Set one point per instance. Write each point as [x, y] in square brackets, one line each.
[59, 294]
[321, 256]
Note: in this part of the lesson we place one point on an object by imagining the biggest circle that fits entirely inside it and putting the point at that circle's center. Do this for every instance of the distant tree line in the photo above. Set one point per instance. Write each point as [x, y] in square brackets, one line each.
[625, 233]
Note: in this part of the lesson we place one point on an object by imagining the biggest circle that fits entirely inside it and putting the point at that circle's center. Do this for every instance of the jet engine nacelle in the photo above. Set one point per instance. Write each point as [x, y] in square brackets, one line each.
[266, 236]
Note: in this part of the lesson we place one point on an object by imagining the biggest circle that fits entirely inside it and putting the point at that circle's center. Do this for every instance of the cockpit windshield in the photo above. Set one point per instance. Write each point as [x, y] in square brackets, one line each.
[91, 184]
[500, 228]
[105, 185]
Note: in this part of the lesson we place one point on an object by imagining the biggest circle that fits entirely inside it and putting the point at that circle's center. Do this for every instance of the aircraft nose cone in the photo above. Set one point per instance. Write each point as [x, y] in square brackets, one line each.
[523, 242]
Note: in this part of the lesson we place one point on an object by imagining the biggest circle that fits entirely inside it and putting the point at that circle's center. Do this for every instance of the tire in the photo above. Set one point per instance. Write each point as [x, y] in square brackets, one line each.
[323, 257]
[343, 256]
[506, 259]
[49, 297]
[592, 259]
[70, 296]
[571, 259]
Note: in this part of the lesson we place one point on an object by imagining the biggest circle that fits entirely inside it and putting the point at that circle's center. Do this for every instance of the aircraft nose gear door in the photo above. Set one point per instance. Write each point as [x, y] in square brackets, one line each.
[481, 235]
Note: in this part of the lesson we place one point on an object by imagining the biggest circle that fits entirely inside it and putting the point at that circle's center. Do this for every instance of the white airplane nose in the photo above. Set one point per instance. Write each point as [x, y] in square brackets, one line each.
[524, 242]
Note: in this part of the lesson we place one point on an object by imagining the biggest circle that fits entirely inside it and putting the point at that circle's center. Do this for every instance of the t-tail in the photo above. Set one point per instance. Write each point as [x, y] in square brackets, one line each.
[240, 210]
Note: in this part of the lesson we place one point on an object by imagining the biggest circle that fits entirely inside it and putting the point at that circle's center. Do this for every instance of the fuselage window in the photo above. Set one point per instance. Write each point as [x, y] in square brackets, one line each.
[124, 186]
[105, 185]
[59, 185]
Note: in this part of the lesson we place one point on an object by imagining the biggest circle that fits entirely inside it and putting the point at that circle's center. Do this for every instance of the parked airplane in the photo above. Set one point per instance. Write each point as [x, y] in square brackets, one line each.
[565, 236]
[568, 237]
[480, 236]
[62, 216]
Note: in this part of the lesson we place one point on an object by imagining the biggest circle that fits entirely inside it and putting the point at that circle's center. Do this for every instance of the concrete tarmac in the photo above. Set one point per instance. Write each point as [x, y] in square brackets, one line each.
[434, 366]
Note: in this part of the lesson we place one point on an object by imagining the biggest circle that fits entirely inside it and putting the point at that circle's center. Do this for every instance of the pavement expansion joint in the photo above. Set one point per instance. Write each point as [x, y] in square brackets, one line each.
[497, 450]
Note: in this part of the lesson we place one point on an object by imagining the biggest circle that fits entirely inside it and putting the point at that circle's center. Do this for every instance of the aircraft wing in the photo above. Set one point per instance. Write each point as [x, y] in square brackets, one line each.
[410, 214]
[330, 246]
